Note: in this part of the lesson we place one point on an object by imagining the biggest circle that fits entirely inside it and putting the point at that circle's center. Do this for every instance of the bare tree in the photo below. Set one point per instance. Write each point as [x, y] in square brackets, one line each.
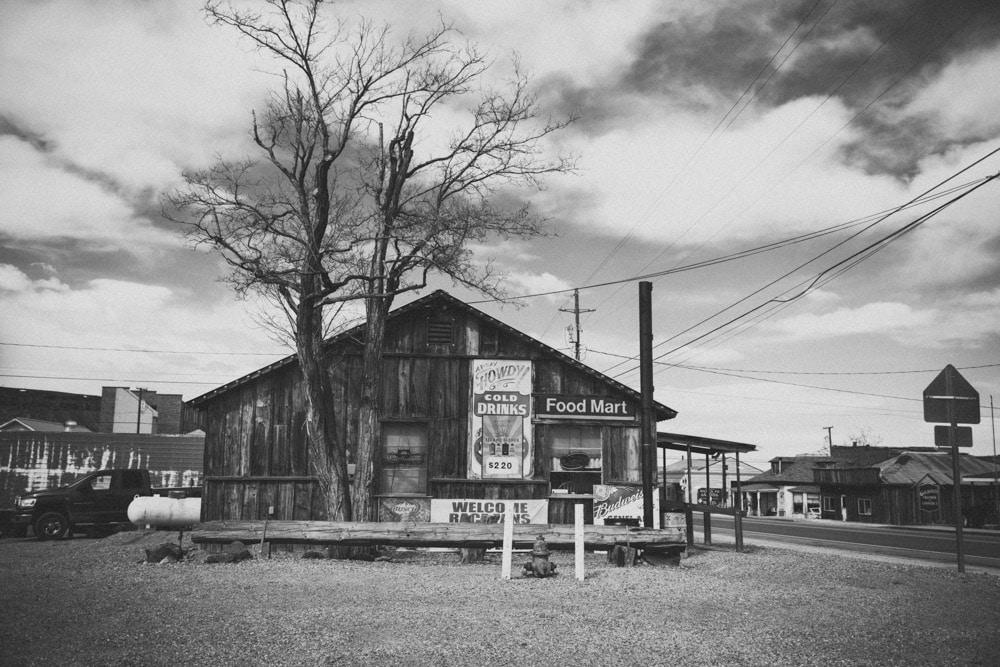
[366, 183]
[863, 436]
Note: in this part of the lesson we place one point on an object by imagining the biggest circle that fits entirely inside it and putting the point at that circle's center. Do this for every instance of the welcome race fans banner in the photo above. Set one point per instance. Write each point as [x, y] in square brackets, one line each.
[477, 510]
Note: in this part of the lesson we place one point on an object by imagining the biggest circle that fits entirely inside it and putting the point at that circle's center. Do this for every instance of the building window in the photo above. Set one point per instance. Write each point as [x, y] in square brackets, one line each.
[865, 506]
[576, 457]
[575, 447]
[797, 503]
[830, 504]
[404, 458]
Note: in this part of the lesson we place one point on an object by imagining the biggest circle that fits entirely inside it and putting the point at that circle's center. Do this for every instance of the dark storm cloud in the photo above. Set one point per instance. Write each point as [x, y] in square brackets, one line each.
[724, 51]
[871, 56]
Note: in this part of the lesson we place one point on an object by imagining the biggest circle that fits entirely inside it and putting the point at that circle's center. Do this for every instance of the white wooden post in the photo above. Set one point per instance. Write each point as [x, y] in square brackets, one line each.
[578, 518]
[508, 541]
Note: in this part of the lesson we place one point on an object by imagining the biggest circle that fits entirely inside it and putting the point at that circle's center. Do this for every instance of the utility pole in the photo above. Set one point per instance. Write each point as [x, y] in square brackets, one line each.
[996, 481]
[576, 312]
[648, 423]
[829, 438]
[138, 413]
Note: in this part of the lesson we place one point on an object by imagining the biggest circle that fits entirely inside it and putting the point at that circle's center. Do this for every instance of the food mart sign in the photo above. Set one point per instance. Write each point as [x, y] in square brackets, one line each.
[584, 407]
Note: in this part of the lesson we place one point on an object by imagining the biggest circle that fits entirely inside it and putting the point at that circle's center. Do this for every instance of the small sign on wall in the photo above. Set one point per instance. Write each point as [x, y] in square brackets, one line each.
[404, 509]
[620, 502]
[930, 497]
[583, 407]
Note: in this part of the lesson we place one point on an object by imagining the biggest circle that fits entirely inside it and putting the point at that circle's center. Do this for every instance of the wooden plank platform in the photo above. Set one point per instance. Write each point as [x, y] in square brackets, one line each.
[459, 535]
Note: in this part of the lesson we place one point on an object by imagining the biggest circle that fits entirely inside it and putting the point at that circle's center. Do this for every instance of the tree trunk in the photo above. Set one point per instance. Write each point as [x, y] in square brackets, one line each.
[326, 455]
[369, 416]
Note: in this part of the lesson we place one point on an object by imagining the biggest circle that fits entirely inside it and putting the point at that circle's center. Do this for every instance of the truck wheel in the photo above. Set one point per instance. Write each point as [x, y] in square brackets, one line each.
[51, 526]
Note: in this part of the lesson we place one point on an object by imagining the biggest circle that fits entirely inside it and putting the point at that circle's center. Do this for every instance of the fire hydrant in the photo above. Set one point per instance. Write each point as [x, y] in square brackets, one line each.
[539, 564]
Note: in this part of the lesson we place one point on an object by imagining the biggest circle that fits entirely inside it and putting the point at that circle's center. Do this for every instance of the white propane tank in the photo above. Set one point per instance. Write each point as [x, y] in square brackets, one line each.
[161, 512]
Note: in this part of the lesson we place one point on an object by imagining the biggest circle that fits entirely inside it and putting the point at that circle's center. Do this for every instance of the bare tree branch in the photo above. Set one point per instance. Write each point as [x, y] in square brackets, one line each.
[349, 200]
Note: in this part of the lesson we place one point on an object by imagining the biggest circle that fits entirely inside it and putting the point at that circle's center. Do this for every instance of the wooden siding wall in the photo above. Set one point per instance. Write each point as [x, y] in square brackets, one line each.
[256, 449]
[622, 455]
[252, 498]
[900, 505]
[489, 489]
[33, 460]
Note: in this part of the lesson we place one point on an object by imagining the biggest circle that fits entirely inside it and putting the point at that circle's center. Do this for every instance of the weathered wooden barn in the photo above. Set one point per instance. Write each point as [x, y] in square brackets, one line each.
[474, 411]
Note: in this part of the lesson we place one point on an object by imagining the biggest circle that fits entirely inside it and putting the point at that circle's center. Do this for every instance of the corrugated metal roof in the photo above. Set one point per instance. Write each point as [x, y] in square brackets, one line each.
[911, 468]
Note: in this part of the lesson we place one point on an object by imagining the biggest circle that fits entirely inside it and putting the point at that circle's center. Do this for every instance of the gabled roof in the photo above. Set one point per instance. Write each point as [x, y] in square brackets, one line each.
[800, 471]
[868, 455]
[912, 467]
[28, 424]
[440, 297]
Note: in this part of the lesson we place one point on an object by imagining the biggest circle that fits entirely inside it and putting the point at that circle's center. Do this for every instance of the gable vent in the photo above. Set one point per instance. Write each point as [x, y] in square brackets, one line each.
[440, 332]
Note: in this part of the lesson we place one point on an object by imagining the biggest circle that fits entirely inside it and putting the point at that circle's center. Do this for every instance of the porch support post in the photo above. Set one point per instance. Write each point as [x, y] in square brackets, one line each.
[688, 514]
[738, 507]
[708, 499]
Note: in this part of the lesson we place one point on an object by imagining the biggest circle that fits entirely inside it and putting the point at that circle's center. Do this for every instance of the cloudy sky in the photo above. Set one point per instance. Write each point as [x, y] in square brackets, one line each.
[795, 140]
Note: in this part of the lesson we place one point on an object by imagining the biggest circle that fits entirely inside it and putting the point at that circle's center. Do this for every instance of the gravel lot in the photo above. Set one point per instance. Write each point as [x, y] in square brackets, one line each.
[92, 602]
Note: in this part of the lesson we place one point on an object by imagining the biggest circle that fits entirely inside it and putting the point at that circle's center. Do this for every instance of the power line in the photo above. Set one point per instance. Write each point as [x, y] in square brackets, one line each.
[125, 349]
[798, 384]
[881, 410]
[785, 382]
[815, 281]
[105, 379]
[740, 254]
[920, 370]
[828, 97]
[795, 129]
[715, 131]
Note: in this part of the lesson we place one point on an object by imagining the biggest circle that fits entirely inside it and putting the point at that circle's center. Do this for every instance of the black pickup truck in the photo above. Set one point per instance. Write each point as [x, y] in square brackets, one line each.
[93, 504]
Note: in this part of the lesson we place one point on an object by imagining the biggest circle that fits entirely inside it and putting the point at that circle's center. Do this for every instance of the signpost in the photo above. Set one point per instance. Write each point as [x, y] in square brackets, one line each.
[962, 436]
[949, 398]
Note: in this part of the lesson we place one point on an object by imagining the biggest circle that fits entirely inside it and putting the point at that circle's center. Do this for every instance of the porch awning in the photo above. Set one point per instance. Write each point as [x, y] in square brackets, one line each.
[700, 445]
[979, 481]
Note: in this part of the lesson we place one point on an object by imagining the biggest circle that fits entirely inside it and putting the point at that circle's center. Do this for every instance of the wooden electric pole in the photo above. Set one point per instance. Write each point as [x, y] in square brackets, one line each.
[576, 312]
[648, 424]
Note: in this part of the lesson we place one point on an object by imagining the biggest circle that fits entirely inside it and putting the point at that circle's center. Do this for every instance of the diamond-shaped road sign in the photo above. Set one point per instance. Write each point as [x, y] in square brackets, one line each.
[950, 398]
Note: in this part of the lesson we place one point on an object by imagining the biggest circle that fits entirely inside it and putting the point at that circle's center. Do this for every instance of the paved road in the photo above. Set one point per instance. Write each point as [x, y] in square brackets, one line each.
[981, 547]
